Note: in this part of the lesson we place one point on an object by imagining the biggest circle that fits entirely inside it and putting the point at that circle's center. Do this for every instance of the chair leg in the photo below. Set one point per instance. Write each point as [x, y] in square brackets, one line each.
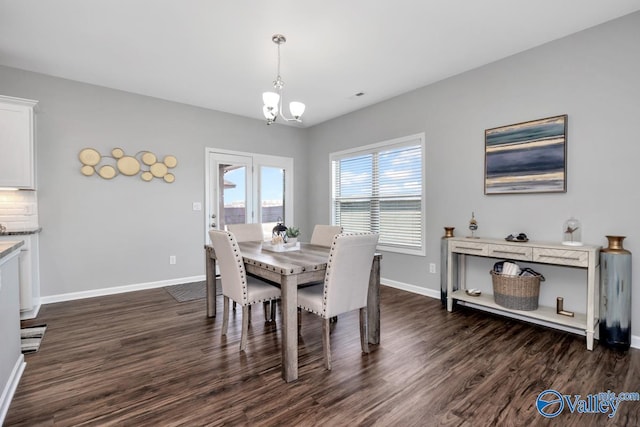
[326, 346]
[245, 326]
[225, 315]
[234, 306]
[364, 336]
[299, 320]
[274, 305]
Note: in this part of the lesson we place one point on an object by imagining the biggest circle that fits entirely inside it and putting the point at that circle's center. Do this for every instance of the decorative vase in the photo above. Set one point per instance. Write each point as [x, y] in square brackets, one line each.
[444, 249]
[473, 226]
[615, 295]
[572, 232]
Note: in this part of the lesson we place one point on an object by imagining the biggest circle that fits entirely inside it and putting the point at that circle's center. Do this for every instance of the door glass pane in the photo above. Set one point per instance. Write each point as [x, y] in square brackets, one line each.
[233, 203]
[272, 193]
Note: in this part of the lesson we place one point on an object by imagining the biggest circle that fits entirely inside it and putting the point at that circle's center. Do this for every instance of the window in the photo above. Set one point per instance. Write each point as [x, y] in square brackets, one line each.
[379, 188]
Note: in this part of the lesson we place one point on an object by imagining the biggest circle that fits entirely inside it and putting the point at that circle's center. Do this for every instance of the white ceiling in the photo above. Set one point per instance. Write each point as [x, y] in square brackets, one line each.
[219, 55]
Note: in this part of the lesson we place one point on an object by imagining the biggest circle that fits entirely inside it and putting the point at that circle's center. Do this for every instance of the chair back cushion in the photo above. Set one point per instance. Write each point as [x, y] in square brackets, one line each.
[246, 232]
[323, 234]
[346, 282]
[232, 272]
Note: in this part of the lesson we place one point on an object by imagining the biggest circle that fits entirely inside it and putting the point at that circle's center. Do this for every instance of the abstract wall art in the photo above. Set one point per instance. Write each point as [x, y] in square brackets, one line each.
[529, 157]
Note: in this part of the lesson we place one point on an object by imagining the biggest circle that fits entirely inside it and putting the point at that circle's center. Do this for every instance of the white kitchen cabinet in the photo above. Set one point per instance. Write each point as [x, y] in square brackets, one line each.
[29, 273]
[17, 146]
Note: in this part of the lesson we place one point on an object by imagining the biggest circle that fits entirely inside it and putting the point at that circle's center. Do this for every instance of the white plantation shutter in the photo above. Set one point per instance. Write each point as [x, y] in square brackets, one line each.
[379, 188]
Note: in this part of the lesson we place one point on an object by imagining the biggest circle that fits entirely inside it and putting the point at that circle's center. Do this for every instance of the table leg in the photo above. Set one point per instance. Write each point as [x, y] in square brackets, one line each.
[289, 289]
[373, 303]
[210, 264]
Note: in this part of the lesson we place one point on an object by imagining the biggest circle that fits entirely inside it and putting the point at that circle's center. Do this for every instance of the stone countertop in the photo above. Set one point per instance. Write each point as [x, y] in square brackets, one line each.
[26, 231]
[7, 247]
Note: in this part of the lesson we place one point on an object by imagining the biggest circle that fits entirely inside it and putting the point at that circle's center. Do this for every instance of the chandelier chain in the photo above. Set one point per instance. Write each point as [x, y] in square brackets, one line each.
[278, 83]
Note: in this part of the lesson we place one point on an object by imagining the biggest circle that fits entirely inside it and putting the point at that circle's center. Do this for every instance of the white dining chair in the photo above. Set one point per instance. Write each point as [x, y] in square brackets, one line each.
[246, 232]
[236, 285]
[252, 233]
[323, 234]
[345, 286]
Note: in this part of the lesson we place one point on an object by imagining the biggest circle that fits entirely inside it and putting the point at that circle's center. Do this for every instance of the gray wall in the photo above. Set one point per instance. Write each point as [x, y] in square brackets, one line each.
[592, 76]
[102, 234]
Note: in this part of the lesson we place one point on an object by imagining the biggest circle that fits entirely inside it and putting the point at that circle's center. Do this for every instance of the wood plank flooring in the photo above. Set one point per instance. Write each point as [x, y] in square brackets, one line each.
[143, 359]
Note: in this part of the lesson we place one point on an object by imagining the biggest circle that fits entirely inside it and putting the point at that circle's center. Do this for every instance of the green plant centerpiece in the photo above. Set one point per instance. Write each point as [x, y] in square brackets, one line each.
[293, 232]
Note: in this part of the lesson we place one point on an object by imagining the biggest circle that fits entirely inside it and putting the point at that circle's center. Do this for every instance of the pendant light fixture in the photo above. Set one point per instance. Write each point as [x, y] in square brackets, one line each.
[273, 100]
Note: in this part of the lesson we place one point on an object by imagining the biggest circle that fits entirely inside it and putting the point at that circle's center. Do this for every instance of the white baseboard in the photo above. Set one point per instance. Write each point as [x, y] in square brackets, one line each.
[635, 340]
[118, 289]
[10, 387]
[411, 288]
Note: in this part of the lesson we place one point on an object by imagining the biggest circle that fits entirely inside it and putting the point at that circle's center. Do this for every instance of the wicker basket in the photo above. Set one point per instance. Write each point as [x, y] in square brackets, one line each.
[516, 292]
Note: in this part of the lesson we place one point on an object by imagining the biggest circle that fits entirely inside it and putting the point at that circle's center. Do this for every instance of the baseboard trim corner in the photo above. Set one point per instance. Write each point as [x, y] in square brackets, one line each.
[33, 313]
[635, 341]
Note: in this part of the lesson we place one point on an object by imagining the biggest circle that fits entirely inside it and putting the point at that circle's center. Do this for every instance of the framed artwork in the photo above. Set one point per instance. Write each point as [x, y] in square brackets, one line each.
[529, 157]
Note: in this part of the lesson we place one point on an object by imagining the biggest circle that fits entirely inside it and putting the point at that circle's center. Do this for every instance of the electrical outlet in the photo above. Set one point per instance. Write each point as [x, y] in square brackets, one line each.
[432, 268]
[172, 259]
[197, 206]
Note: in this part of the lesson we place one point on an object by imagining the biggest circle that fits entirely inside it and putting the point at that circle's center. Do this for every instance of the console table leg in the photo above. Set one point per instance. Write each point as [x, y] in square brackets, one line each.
[589, 340]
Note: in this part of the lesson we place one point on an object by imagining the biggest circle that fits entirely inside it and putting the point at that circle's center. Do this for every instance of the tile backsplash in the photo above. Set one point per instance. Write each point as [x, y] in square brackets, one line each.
[18, 210]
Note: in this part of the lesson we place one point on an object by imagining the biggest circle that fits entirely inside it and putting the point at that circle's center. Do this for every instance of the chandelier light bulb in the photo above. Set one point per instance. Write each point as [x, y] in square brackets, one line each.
[297, 109]
[271, 99]
[269, 113]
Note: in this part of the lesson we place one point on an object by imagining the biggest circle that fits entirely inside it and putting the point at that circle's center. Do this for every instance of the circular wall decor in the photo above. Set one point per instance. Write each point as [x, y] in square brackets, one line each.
[170, 161]
[87, 170]
[107, 172]
[93, 162]
[117, 153]
[128, 165]
[89, 157]
[148, 158]
[158, 170]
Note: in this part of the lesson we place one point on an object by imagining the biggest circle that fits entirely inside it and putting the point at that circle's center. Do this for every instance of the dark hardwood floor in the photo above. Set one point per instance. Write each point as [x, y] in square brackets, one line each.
[143, 359]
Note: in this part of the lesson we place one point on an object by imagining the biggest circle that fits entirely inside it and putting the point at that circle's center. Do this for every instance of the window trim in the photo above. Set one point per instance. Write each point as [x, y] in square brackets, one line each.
[415, 139]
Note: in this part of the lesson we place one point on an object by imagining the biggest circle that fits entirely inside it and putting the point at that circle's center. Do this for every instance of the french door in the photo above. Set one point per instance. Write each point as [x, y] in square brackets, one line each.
[247, 188]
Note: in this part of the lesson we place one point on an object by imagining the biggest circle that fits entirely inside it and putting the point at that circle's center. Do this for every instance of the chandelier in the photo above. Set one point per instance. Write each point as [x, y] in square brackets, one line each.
[273, 100]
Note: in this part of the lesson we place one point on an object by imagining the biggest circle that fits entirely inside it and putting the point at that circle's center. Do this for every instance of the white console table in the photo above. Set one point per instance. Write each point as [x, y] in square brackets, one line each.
[586, 257]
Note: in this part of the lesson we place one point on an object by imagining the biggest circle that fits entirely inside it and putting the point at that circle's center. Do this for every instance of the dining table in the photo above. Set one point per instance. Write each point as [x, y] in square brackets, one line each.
[305, 264]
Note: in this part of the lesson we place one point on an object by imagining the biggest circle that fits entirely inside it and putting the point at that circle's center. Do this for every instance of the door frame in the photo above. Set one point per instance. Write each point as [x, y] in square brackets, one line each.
[258, 160]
